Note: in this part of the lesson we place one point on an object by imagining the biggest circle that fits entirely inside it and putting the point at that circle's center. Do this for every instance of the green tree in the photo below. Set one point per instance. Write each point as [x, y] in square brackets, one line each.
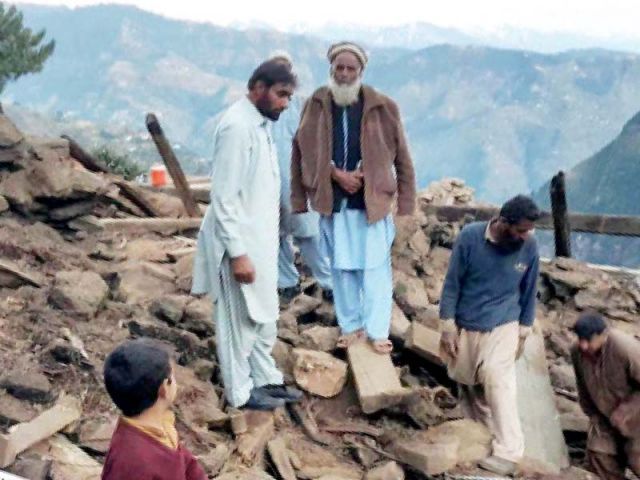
[21, 50]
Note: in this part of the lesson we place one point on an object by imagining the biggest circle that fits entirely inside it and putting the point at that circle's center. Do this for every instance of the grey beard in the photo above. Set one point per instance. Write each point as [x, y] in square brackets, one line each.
[345, 95]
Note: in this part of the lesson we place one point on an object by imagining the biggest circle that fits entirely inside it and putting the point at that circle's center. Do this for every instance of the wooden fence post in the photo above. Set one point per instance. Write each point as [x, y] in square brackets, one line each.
[173, 166]
[559, 211]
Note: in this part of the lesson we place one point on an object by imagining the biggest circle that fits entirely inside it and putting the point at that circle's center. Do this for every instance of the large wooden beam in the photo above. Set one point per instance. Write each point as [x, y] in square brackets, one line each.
[200, 191]
[173, 166]
[580, 222]
[560, 213]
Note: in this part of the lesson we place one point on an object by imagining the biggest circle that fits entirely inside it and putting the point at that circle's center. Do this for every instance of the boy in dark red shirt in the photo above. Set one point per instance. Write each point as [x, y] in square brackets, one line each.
[139, 378]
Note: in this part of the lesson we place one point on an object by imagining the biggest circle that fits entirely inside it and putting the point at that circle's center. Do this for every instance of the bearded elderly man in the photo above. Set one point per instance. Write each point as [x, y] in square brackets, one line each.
[349, 159]
[236, 260]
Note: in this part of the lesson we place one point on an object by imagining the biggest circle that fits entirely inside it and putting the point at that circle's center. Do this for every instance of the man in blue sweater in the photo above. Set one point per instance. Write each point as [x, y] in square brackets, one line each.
[487, 308]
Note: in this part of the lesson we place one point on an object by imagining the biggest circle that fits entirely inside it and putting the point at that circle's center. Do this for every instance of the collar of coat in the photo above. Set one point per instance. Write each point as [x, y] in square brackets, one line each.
[372, 98]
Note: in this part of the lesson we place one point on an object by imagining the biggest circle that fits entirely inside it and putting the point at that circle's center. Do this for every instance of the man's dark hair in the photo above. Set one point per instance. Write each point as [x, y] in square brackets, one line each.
[588, 325]
[520, 208]
[271, 72]
[133, 374]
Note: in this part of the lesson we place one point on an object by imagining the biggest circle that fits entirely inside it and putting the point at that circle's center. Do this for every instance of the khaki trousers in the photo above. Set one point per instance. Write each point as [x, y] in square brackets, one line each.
[486, 369]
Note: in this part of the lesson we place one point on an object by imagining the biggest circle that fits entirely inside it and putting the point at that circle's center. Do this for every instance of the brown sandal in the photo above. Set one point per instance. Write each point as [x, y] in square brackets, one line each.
[383, 347]
[348, 339]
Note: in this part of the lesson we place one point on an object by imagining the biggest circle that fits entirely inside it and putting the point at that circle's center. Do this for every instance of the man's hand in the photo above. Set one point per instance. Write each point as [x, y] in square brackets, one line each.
[449, 344]
[243, 270]
[350, 182]
[621, 416]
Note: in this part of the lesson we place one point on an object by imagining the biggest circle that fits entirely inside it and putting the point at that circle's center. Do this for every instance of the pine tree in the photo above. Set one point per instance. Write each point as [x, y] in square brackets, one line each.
[21, 50]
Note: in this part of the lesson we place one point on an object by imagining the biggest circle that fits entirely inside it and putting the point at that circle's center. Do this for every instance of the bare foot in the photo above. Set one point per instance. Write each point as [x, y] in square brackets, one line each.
[347, 339]
[382, 347]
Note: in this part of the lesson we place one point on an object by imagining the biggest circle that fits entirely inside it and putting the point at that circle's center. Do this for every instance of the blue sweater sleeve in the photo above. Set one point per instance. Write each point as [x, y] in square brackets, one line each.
[453, 281]
[528, 291]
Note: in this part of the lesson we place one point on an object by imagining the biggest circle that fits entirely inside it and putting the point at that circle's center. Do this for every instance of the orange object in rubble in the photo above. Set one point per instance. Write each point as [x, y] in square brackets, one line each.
[158, 176]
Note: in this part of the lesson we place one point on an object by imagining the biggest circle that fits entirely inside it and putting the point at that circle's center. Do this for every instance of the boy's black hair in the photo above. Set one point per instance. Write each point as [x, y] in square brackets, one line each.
[588, 325]
[133, 374]
[520, 208]
[271, 72]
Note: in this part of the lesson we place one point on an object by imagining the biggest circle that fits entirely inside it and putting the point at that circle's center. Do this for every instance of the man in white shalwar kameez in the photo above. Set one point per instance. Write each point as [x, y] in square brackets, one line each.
[237, 257]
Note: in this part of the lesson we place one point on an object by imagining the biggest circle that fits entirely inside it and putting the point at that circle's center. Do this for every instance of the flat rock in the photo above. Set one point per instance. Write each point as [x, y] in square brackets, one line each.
[198, 317]
[80, 292]
[386, 471]
[563, 376]
[303, 305]
[197, 400]
[14, 411]
[409, 293]
[441, 448]
[68, 460]
[169, 308]
[31, 468]
[320, 338]
[95, 434]
[184, 273]
[186, 343]
[142, 282]
[319, 373]
[4, 205]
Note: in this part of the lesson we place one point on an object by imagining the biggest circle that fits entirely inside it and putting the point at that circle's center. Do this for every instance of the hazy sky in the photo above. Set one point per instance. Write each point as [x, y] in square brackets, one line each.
[595, 17]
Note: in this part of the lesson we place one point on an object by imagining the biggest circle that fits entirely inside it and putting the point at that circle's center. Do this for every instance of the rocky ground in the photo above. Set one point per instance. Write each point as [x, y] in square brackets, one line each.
[71, 290]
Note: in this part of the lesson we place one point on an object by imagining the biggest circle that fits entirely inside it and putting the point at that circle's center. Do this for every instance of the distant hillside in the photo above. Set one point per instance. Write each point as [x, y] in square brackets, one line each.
[607, 183]
[502, 120]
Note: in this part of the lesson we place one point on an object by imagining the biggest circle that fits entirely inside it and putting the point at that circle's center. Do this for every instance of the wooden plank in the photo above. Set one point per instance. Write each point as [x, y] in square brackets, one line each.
[580, 222]
[165, 226]
[376, 379]
[133, 194]
[85, 158]
[201, 192]
[425, 342]
[25, 435]
[560, 214]
[173, 166]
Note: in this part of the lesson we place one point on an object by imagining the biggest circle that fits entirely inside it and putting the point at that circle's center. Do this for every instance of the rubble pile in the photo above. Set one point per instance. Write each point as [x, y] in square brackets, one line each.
[70, 294]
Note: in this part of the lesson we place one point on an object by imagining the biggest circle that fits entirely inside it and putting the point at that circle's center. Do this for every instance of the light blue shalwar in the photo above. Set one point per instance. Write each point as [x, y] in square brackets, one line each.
[360, 256]
[301, 229]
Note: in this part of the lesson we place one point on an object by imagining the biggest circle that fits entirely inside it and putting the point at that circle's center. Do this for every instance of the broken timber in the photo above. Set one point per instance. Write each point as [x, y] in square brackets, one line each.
[165, 226]
[376, 379]
[173, 166]
[25, 435]
[86, 159]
